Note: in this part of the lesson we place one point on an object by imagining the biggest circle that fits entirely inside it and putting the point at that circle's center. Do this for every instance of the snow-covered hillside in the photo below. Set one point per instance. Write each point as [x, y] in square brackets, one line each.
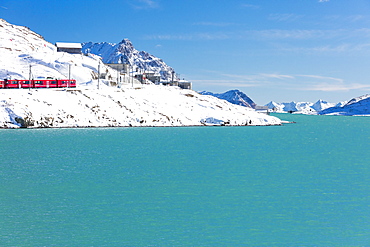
[125, 53]
[233, 96]
[356, 106]
[148, 105]
[26, 54]
[300, 107]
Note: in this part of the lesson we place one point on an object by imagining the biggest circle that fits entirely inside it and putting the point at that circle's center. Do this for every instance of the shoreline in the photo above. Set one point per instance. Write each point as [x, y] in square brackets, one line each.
[149, 126]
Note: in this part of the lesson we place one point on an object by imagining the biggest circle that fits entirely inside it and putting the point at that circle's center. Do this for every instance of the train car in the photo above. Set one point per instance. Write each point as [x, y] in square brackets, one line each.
[45, 84]
[66, 83]
[25, 83]
[40, 83]
[72, 83]
[11, 84]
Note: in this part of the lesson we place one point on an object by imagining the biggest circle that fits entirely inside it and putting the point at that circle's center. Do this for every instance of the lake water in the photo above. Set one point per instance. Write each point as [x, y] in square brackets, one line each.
[303, 184]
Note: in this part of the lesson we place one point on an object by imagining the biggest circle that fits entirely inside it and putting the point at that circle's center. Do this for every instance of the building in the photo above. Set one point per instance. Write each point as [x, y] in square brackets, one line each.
[72, 48]
[120, 67]
[185, 84]
[154, 77]
[262, 109]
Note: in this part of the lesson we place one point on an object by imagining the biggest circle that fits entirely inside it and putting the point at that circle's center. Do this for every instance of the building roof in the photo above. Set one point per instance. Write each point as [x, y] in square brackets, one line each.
[68, 45]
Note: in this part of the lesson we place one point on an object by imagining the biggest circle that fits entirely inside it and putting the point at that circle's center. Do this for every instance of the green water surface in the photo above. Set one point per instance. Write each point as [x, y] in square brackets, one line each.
[302, 184]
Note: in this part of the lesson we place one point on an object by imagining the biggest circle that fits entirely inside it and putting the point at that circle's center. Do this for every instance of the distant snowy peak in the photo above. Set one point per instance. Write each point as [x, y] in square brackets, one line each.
[125, 53]
[321, 105]
[235, 97]
[300, 107]
[356, 106]
[357, 99]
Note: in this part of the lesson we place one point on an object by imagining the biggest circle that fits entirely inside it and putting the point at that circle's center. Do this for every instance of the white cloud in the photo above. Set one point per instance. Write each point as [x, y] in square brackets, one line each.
[227, 83]
[282, 81]
[327, 84]
[191, 36]
[267, 34]
[327, 87]
[145, 4]
[242, 80]
[322, 1]
[284, 17]
[215, 24]
[251, 6]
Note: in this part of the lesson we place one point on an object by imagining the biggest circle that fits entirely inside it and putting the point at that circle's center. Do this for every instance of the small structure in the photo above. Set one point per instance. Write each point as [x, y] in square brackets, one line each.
[72, 48]
[120, 67]
[262, 109]
[154, 77]
[184, 84]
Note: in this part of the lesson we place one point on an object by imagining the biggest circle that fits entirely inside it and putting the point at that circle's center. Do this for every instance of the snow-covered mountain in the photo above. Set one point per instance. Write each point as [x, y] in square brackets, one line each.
[125, 53]
[25, 54]
[300, 107]
[356, 106]
[233, 96]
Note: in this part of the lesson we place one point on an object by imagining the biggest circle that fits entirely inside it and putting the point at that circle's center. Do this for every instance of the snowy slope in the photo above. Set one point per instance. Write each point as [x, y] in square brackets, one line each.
[132, 104]
[356, 106]
[233, 96]
[149, 105]
[26, 54]
[125, 53]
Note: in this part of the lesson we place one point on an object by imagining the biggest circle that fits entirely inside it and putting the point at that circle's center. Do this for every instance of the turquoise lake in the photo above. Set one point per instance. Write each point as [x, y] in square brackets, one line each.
[302, 184]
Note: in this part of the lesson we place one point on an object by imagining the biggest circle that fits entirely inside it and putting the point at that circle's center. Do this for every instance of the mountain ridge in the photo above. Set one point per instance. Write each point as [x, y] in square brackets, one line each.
[235, 97]
[125, 53]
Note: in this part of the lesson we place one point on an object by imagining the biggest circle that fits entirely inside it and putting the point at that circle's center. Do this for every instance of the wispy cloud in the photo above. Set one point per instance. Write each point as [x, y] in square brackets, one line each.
[215, 24]
[243, 80]
[349, 18]
[302, 41]
[3, 7]
[327, 84]
[190, 37]
[145, 4]
[281, 81]
[340, 48]
[227, 83]
[323, 1]
[285, 17]
[326, 87]
[251, 6]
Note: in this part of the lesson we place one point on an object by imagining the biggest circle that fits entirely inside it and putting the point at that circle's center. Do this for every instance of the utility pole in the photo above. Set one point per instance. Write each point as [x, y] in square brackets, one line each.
[117, 76]
[173, 75]
[99, 76]
[69, 75]
[29, 79]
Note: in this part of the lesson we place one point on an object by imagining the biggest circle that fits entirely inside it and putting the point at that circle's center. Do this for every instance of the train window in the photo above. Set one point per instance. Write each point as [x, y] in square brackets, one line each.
[53, 82]
[26, 82]
[38, 82]
[14, 82]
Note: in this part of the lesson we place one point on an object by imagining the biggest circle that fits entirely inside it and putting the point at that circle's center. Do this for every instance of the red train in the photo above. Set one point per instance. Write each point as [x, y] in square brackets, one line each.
[48, 83]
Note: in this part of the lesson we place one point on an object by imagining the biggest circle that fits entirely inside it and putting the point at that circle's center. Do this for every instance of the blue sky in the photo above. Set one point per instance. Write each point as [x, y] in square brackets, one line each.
[291, 50]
